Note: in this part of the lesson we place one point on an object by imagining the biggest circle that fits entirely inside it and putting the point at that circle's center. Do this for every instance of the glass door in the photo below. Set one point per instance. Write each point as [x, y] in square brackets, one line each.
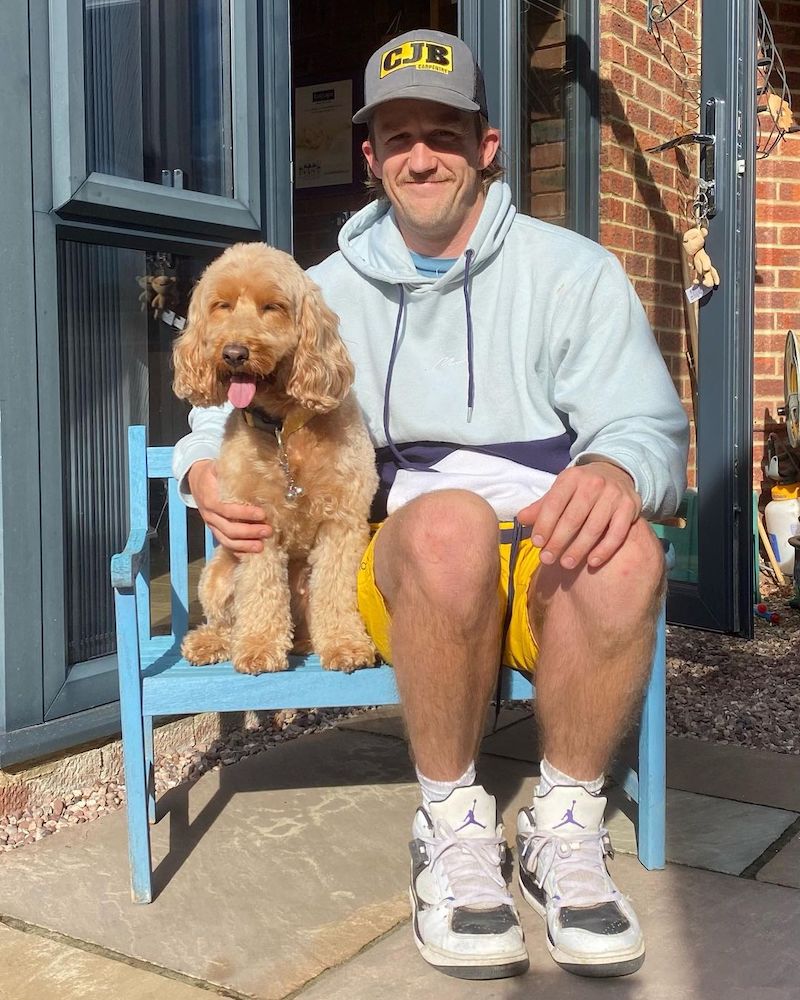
[715, 589]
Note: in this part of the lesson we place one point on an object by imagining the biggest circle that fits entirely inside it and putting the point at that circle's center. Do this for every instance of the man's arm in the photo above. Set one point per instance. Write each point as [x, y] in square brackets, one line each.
[239, 527]
[629, 453]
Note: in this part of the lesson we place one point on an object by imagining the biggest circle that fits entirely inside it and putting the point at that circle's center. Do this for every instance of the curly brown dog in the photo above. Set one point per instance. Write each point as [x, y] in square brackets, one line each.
[260, 335]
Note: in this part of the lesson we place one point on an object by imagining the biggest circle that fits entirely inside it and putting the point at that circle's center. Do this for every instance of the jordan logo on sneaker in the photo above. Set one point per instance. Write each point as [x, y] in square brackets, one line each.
[469, 819]
[569, 818]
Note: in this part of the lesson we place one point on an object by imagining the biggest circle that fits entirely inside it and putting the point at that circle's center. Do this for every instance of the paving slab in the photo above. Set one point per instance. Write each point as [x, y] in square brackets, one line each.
[784, 868]
[733, 772]
[388, 721]
[33, 966]
[268, 871]
[519, 741]
[709, 937]
[704, 831]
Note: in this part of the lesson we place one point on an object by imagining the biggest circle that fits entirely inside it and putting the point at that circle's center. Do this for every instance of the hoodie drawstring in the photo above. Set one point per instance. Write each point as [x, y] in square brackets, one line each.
[402, 463]
[470, 366]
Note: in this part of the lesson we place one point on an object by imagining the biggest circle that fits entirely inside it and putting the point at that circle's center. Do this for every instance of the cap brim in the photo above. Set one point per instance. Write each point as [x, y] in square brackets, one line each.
[419, 93]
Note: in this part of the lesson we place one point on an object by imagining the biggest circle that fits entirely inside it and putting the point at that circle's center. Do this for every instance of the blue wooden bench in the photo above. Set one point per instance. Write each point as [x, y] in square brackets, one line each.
[155, 681]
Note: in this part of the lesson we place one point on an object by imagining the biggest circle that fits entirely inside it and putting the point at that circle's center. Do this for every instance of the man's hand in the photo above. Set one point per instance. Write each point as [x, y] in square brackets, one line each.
[239, 527]
[586, 514]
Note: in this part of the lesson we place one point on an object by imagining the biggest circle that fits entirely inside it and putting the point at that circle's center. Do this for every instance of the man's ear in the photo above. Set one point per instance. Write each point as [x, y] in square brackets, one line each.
[490, 143]
[371, 158]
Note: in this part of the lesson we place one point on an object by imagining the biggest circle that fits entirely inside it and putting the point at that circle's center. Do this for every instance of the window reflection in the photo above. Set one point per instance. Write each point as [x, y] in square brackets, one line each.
[119, 313]
[544, 111]
[158, 102]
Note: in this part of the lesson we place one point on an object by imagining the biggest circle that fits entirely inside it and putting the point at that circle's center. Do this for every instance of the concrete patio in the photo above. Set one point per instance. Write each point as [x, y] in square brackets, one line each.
[285, 875]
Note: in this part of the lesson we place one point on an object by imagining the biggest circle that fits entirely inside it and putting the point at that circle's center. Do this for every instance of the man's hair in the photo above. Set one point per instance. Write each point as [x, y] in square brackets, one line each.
[489, 174]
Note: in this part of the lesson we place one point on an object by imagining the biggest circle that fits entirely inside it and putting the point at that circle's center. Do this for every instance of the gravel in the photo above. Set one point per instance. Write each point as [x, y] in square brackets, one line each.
[719, 689]
[728, 690]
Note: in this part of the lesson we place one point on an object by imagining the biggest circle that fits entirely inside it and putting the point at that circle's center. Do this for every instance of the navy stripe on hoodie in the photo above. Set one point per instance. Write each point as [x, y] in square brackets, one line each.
[549, 455]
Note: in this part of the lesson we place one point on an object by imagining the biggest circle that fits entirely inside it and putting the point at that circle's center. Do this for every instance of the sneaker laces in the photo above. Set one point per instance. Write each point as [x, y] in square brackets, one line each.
[580, 876]
[471, 866]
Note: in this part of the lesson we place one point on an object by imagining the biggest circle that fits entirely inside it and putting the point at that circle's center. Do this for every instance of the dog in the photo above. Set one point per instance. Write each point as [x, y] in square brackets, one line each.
[259, 334]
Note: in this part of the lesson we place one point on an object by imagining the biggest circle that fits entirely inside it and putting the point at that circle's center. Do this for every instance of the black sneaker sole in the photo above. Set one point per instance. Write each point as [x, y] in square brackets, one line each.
[612, 969]
[482, 971]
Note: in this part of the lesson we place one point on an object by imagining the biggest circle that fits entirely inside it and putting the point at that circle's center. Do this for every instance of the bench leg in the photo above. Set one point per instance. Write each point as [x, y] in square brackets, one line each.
[149, 768]
[653, 761]
[133, 752]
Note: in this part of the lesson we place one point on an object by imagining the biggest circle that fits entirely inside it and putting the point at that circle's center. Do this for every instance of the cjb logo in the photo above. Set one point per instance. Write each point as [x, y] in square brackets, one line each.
[418, 55]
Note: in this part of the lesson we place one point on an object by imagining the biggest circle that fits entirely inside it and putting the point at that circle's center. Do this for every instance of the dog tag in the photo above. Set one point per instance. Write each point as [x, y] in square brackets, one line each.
[293, 491]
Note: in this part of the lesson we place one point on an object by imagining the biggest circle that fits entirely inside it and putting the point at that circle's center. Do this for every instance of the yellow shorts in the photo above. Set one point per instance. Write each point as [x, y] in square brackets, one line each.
[519, 647]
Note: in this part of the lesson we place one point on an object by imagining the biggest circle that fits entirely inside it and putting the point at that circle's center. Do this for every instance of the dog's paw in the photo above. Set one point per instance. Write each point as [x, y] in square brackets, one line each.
[254, 656]
[348, 655]
[204, 645]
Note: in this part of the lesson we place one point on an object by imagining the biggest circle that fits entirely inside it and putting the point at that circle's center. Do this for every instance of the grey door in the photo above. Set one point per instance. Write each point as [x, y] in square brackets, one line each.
[717, 594]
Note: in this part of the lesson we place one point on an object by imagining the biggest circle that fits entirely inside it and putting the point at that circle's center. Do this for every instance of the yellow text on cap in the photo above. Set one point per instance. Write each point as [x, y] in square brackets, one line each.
[419, 55]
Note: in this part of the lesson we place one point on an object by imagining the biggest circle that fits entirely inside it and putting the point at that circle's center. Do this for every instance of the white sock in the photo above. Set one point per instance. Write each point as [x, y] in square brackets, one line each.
[550, 776]
[437, 791]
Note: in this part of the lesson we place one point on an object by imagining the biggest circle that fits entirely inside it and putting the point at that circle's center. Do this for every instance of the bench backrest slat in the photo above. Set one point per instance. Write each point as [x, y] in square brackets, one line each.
[210, 543]
[147, 464]
[159, 463]
[139, 518]
[178, 561]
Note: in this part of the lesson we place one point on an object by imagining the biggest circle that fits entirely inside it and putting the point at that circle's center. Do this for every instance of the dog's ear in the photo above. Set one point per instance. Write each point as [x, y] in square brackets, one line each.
[322, 372]
[195, 379]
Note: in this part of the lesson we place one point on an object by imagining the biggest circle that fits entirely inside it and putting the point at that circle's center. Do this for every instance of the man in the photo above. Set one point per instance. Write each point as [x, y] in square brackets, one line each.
[506, 369]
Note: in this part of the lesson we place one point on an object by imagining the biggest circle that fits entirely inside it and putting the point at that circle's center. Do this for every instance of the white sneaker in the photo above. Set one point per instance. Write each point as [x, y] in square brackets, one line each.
[562, 845]
[465, 920]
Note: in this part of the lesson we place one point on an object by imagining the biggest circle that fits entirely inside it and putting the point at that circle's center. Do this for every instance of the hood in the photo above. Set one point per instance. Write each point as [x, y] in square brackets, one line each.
[371, 242]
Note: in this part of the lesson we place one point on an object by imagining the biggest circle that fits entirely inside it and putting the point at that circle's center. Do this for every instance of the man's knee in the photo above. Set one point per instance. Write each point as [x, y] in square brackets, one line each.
[644, 560]
[624, 593]
[441, 542]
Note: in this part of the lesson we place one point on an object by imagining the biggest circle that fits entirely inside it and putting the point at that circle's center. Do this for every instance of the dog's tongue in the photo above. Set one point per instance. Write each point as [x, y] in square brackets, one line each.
[241, 391]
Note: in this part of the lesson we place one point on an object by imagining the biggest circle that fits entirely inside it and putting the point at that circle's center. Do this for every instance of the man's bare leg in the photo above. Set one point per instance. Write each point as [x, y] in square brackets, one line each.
[595, 630]
[437, 567]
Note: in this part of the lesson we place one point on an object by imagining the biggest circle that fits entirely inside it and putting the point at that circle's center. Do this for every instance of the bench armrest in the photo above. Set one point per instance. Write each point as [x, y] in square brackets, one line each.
[125, 565]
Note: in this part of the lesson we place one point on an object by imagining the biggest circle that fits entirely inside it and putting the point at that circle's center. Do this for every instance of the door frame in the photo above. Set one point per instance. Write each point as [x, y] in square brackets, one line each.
[722, 598]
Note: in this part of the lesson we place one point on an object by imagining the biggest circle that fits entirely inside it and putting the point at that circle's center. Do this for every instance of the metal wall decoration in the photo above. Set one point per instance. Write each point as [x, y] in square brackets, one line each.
[774, 119]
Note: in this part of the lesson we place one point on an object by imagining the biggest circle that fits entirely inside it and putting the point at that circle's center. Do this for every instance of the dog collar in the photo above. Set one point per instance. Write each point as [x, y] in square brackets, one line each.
[260, 420]
[296, 419]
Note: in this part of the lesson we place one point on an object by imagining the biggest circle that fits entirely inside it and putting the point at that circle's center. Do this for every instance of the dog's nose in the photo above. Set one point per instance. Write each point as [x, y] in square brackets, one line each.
[235, 354]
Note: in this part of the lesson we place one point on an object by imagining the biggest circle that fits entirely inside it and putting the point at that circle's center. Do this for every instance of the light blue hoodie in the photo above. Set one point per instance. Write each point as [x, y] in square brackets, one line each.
[532, 352]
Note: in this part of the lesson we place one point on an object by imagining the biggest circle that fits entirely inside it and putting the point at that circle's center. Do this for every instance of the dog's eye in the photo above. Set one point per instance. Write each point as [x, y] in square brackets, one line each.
[270, 307]
[222, 305]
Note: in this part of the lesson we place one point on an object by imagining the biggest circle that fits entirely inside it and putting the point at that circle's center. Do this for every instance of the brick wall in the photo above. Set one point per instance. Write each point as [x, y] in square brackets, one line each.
[777, 290]
[647, 98]
[543, 114]
[645, 198]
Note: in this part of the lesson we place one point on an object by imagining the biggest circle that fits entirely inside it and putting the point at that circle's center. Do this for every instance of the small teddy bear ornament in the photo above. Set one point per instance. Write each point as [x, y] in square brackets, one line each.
[158, 293]
[781, 112]
[694, 241]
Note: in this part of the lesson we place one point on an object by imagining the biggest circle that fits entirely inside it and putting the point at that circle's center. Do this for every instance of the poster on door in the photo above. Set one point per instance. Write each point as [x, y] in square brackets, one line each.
[323, 134]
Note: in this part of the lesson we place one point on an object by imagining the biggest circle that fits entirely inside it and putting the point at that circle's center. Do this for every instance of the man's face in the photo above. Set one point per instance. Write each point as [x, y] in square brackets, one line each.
[429, 158]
